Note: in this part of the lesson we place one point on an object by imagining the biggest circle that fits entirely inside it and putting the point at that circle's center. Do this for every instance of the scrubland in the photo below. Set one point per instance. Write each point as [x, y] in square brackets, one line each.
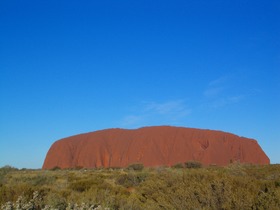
[184, 186]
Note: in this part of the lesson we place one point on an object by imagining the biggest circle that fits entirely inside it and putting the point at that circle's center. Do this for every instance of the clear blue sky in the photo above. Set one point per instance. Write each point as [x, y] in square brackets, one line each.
[69, 67]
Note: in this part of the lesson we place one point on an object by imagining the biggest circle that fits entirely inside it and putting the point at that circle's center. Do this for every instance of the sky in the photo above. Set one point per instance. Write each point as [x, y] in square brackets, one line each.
[70, 67]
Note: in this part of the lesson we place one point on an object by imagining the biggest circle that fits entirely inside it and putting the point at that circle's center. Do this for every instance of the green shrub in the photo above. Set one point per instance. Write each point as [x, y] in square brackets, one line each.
[56, 168]
[57, 201]
[178, 165]
[5, 170]
[193, 164]
[136, 167]
[131, 179]
[81, 185]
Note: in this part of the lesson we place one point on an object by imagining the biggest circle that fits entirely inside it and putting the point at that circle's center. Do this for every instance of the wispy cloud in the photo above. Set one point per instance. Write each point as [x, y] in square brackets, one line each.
[167, 112]
[216, 87]
[212, 91]
[169, 107]
[224, 101]
[219, 81]
[218, 93]
[131, 120]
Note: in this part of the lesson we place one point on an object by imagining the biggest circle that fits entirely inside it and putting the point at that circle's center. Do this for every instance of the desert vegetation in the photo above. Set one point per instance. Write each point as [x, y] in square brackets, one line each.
[183, 186]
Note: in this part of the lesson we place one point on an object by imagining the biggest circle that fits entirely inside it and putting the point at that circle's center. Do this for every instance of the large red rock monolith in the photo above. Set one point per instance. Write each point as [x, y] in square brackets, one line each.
[153, 146]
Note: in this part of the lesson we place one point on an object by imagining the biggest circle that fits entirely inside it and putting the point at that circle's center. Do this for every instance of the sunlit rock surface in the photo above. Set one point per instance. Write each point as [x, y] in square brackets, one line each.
[153, 146]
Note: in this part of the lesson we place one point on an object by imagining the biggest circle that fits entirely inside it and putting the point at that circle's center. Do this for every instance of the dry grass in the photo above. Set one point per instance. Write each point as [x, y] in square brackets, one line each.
[234, 187]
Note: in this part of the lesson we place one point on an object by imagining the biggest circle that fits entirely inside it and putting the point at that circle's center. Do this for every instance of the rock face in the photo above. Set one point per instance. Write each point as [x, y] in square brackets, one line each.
[152, 146]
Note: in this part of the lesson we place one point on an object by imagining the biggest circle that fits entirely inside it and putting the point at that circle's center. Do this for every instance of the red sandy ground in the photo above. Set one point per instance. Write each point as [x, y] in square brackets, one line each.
[152, 146]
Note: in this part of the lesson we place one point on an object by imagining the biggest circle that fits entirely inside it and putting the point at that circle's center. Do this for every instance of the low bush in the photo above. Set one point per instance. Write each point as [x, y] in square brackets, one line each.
[131, 179]
[193, 164]
[5, 170]
[136, 167]
[178, 165]
[56, 168]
